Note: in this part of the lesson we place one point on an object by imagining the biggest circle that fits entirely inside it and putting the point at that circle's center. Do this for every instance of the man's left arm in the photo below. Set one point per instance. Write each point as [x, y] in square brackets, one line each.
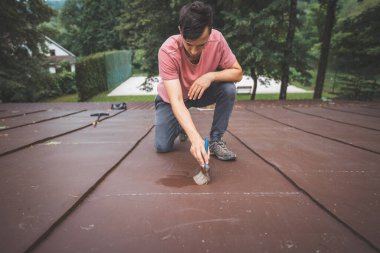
[232, 74]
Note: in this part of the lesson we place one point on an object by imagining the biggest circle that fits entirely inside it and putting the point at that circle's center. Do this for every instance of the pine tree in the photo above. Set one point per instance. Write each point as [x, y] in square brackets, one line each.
[21, 55]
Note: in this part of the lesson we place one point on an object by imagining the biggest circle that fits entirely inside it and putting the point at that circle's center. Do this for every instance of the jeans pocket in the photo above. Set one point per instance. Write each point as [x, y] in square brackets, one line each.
[157, 101]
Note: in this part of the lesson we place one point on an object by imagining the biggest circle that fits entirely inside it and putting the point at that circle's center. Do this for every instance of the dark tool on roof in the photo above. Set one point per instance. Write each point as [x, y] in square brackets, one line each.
[120, 106]
[100, 114]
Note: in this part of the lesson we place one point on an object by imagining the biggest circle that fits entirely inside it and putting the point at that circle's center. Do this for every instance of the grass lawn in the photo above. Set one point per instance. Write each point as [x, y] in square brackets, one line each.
[65, 98]
[289, 96]
[102, 97]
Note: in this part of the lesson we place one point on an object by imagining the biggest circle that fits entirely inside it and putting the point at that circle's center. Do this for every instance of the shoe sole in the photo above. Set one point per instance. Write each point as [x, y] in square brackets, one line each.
[224, 159]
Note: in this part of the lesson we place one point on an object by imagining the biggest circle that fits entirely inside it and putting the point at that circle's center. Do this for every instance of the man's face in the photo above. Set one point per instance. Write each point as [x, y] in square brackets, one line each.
[193, 48]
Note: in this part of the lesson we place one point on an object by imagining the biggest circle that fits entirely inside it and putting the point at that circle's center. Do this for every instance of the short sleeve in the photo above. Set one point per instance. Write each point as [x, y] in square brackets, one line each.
[166, 66]
[227, 57]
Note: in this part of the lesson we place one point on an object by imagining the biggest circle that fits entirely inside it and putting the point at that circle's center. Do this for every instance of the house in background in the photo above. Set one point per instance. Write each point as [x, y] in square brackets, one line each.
[58, 54]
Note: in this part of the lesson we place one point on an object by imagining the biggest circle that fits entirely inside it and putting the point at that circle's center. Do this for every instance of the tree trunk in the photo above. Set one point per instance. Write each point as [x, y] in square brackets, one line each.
[288, 48]
[254, 77]
[325, 48]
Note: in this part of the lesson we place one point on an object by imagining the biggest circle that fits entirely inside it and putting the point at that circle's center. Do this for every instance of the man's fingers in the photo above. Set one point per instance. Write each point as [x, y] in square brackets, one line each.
[200, 155]
[196, 92]
[191, 92]
[201, 93]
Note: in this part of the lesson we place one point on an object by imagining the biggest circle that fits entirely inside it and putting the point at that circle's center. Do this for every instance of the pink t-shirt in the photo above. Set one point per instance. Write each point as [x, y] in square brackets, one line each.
[174, 64]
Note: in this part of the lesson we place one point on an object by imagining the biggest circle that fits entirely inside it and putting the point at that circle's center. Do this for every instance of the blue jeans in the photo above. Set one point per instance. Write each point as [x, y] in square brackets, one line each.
[167, 127]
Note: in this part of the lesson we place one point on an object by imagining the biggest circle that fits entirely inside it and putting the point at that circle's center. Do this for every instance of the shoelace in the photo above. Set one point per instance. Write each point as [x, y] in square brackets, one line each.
[222, 144]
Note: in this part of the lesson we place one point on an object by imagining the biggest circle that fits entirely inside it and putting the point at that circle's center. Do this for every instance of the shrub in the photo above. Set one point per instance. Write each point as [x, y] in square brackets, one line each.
[90, 76]
[66, 81]
[101, 72]
[358, 88]
[49, 88]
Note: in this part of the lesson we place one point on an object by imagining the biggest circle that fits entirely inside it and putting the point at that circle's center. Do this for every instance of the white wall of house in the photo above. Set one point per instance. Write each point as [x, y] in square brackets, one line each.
[57, 50]
[52, 70]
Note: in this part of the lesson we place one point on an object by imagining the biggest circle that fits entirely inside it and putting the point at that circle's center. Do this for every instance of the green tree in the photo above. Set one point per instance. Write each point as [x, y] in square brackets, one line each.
[90, 25]
[256, 35]
[357, 42]
[309, 33]
[325, 48]
[356, 50]
[148, 26]
[22, 69]
[70, 17]
[288, 48]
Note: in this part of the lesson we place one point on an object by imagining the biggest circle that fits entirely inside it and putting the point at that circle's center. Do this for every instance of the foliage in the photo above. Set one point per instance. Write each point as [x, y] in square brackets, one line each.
[22, 66]
[358, 88]
[309, 34]
[356, 49]
[255, 31]
[50, 87]
[90, 25]
[357, 43]
[146, 25]
[325, 48]
[58, 84]
[257, 35]
[66, 82]
[69, 26]
[288, 48]
[91, 76]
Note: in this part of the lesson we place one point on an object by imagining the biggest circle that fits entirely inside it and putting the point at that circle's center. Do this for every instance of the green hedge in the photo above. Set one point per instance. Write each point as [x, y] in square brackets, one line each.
[101, 72]
[90, 73]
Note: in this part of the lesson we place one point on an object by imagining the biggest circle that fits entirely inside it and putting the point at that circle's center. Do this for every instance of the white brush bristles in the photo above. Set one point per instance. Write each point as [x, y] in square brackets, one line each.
[201, 179]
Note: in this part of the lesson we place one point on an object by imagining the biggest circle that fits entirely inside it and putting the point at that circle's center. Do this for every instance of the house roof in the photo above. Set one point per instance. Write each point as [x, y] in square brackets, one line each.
[60, 58]
[58, 45]
[306, 180]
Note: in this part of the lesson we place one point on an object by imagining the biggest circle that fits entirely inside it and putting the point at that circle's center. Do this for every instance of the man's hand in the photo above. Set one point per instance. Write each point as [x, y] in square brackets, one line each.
[200, 85]
[198, 151]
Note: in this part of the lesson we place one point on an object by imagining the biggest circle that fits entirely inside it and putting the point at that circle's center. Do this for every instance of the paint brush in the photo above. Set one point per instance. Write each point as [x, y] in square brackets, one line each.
[203, 177]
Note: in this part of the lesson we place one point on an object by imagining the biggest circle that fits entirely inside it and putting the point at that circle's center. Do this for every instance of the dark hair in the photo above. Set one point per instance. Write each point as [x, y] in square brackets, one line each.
[193, 18]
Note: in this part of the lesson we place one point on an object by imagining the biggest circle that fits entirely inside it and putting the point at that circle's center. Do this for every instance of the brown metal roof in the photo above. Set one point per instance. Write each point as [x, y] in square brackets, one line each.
[307, 179]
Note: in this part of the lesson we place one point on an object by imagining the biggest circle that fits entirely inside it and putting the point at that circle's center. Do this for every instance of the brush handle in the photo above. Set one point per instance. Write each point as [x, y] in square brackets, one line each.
[206, 167]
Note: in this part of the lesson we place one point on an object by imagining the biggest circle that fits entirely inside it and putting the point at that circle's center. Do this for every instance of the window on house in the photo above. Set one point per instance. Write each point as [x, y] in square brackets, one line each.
[52, 52]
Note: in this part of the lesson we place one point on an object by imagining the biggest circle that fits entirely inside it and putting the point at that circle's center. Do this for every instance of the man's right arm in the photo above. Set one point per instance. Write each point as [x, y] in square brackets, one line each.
[182, 114]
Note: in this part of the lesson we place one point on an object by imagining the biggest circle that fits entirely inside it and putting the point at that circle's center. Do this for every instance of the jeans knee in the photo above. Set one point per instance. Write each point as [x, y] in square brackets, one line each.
[163, 148]
[229, 91]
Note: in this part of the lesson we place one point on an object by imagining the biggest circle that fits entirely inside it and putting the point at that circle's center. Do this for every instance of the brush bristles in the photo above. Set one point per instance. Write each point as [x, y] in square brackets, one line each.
[201, 179]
